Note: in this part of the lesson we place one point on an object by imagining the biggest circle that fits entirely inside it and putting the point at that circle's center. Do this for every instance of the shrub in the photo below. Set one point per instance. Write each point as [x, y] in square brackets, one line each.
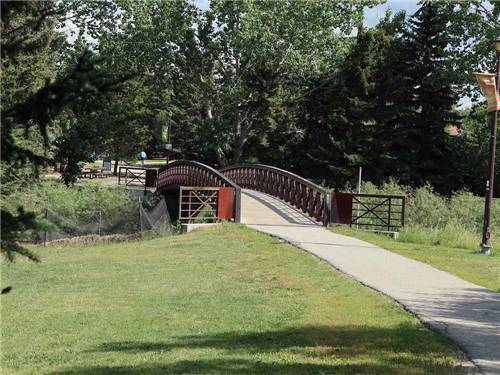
[418, 234]
[207, 212]
[457, 235]
[78, 210]
[70, 201]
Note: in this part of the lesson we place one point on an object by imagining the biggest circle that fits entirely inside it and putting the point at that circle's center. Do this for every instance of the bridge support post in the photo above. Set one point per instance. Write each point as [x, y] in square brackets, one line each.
[237, 205]
[327, 208]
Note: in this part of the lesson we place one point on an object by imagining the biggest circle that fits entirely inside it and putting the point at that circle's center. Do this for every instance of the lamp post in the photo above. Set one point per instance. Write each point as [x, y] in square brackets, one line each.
[486, 243]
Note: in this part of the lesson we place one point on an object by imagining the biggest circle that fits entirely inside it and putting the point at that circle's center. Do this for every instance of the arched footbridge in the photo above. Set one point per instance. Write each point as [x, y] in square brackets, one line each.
[262, 194]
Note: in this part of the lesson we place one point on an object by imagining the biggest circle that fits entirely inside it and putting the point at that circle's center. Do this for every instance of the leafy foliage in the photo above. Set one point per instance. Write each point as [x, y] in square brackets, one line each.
[13, 229]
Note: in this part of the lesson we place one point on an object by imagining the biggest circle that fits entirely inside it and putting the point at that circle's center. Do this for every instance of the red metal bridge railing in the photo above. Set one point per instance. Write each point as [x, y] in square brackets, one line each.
[185, 173]
[293, 189]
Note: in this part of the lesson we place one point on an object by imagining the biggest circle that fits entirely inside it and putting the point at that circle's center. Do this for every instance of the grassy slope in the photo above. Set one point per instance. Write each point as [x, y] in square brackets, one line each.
[467, 264]
[224, 300]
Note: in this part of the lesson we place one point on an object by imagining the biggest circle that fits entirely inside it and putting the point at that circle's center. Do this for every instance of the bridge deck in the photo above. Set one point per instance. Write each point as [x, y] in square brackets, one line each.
[469, 314]
[263, 209]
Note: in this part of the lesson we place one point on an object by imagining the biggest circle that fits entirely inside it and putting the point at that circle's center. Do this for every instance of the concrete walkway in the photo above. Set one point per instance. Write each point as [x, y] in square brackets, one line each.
[467, 313]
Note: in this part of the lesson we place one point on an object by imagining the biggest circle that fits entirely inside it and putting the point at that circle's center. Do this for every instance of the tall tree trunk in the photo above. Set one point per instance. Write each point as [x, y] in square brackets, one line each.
[240, 136]
[221, 157]
[239, 130]
[207, 108]
[115, 171]
[208, 118]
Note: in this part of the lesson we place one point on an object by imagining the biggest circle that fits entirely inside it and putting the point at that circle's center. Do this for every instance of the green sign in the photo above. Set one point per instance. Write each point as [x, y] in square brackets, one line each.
[164, 133]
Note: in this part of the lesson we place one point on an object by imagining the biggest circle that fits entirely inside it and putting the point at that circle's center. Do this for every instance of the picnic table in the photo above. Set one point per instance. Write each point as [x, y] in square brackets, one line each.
[92, 173]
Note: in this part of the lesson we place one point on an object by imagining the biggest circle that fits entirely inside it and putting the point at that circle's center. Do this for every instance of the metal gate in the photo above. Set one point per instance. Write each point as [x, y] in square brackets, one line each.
[206, 204]
[369, 211]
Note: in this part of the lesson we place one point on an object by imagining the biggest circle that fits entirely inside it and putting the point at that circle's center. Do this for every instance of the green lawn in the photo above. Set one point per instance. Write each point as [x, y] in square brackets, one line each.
[225, 300]
[467, 264]
[155, 161]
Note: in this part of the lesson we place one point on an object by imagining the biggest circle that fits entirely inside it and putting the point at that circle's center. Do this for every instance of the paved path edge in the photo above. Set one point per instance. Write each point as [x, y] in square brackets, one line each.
[470, 367]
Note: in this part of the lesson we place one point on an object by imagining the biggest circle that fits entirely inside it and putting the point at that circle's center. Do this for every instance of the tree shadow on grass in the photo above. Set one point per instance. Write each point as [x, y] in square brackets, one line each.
[405, 349]
[234, 366]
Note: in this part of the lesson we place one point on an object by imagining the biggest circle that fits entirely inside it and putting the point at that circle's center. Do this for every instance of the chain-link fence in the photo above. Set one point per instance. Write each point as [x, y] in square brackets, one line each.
[148, 214]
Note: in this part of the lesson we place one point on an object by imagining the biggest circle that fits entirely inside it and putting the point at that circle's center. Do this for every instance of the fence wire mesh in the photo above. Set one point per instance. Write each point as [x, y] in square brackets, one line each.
[142, 215]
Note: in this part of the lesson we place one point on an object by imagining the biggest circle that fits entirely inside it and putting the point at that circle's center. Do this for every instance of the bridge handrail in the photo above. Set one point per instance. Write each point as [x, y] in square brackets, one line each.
[302, 180]
[221, 178]
[292, 188]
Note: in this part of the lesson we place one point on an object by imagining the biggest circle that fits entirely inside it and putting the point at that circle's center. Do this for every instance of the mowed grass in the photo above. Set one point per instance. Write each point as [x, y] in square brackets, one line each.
[224, 300]
[468, 264]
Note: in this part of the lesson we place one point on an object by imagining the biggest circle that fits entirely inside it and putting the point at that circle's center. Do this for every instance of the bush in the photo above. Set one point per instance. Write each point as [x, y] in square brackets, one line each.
[452, 235]
[71, 202]
[75, 211]
[457, 235]
[418, 234]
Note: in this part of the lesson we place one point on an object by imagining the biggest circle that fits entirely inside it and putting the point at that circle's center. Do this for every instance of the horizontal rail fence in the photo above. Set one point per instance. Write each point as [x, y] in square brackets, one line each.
[293, 189]
[185, 173]
[198, 204]
[378, 212]
[137, 177]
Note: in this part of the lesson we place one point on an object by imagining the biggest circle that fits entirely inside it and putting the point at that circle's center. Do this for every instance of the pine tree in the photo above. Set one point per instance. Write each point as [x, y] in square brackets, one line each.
[424, 156]
[342, 116]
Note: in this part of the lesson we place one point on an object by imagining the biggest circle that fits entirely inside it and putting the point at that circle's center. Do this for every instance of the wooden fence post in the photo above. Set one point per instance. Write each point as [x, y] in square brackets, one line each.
[100, 222]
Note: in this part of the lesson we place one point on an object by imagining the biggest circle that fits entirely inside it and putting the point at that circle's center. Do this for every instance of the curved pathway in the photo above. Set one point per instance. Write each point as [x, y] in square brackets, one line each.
[467, 313]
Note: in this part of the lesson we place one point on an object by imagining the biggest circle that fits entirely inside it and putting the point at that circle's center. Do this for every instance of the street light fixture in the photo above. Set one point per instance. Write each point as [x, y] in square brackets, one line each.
[493, 107]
